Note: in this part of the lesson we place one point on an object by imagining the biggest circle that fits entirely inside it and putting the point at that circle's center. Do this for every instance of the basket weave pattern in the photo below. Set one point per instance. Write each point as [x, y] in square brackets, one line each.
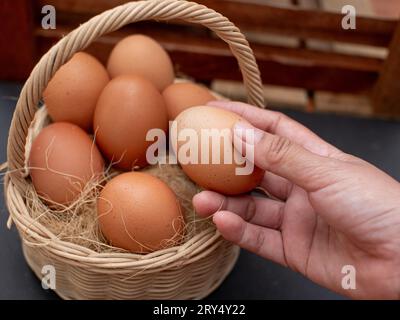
[189, 271]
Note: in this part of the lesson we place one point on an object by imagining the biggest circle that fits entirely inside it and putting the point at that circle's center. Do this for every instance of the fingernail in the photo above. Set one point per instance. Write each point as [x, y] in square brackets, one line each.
[247, 133]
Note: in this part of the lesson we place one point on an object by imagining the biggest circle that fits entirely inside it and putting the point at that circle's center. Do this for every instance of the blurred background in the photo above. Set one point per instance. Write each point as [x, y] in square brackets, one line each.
[342, 84]
[307, 60]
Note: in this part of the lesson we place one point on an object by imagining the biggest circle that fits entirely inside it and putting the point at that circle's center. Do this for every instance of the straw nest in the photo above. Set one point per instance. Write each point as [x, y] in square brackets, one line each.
[77, 222]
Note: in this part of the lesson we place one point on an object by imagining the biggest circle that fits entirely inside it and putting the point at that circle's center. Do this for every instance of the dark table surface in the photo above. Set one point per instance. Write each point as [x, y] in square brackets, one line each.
[252, 278]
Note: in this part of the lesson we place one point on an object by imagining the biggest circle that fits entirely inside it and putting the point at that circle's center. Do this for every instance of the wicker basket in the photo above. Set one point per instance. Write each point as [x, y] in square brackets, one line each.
[189, 271]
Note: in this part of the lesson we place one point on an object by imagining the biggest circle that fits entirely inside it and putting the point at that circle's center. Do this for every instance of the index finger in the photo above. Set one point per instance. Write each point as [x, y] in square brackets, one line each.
[279, 124]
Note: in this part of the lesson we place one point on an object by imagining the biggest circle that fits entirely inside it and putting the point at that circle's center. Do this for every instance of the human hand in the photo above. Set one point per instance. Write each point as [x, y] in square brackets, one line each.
[331, 209]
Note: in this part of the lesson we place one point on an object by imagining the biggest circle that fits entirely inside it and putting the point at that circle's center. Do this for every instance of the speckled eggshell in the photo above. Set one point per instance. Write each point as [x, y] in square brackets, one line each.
[141, 55]
[63, 158]
[218, 177]
[72, 93]
[181, 96]
[128, 107]
[139, 213]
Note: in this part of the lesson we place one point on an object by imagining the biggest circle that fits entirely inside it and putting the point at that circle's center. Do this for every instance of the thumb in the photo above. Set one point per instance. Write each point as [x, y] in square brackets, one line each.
[283, 157]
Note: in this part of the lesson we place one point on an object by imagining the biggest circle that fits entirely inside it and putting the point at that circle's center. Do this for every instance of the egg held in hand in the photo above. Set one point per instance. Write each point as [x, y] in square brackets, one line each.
[127, 109]
[202, 141]
[72, 93]
[63, 159]
[139, 213]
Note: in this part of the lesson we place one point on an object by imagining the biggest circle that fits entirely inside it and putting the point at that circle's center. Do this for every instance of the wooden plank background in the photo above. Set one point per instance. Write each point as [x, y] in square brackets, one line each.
[321, 56]
[199, 55]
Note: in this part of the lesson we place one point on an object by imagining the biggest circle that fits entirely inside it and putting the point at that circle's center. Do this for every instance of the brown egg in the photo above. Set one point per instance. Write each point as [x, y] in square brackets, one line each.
[219, 176]
[128, 108]
[139, 213]
[141, 55]
[72, 93]
[62, 160]
[181, 96]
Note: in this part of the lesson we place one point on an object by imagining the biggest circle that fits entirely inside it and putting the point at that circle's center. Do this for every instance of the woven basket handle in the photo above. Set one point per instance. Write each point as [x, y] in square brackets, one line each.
[106, 22]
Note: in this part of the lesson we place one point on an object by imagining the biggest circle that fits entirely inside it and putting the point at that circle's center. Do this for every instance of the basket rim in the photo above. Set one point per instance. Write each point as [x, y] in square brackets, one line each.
[201, 295]
[62, 248]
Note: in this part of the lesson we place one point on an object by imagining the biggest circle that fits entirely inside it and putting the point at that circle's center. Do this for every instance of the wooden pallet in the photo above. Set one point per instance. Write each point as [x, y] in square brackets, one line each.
[198, 54]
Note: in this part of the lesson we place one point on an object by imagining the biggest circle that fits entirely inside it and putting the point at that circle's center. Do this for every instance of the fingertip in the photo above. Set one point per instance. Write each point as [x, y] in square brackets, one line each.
[207, 202]
[218, 217]
[197, 198]
[228, 224]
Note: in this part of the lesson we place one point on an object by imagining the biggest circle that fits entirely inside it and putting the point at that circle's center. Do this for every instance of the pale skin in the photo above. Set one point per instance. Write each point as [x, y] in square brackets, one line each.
[328, 208]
